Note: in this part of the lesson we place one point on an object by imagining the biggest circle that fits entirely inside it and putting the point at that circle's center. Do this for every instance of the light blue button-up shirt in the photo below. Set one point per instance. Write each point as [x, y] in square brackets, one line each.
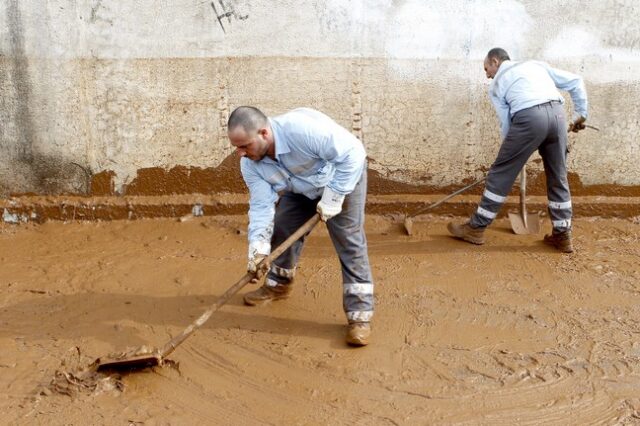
[312, 151]
[520, 85]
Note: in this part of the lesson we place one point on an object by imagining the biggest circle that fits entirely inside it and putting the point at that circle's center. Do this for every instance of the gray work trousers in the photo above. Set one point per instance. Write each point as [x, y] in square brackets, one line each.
[347, 234]
[543, 128]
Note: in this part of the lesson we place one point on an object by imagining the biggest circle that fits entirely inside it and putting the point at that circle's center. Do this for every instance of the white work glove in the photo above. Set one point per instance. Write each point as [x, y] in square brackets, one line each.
[258, 251]
[330, 204]
[577, 124]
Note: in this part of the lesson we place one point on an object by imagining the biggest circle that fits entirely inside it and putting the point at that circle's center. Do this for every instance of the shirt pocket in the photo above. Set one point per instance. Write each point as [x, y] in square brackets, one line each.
[323, 175]
[279, 179]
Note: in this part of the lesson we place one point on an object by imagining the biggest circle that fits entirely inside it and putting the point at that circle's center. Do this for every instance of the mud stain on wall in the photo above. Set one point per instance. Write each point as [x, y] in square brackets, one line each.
[177, 180]
[102, 183]
[226, 178]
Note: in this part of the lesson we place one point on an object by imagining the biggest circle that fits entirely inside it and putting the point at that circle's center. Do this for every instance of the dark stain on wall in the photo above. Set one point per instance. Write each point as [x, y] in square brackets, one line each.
[47, 175]
[31, 171]
[19, 71]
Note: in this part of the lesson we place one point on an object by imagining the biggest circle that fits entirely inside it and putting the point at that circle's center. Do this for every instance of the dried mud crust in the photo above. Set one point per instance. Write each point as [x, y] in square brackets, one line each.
[511, 332]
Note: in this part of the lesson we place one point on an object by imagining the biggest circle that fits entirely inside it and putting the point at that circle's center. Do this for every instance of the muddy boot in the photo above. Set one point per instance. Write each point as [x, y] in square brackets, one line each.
[560, 240]
[466, 232]
[267, 293]
[358, 333]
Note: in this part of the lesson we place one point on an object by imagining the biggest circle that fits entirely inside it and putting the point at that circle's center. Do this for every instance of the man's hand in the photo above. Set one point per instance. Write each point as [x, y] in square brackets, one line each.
[330, 204]
[578, 124]
[258, 266]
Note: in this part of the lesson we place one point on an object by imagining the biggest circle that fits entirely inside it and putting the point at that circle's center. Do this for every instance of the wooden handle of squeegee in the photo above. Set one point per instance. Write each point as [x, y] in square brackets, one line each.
[448, 197]
[222, 300]
[523, 195]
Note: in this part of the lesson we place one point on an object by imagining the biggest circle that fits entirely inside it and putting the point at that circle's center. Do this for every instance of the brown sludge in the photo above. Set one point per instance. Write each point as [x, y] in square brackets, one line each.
[511, 332]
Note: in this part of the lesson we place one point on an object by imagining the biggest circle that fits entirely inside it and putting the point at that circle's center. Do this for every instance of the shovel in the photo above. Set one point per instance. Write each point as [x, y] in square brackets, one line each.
[408, 221]
[523, 222]
[149, 357]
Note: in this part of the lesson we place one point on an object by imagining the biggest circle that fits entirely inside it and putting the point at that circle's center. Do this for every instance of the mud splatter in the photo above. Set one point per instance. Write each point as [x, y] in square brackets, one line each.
[78, 377]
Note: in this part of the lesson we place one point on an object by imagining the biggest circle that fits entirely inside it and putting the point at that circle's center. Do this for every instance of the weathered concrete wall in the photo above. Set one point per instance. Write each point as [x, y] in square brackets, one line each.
[132, 97]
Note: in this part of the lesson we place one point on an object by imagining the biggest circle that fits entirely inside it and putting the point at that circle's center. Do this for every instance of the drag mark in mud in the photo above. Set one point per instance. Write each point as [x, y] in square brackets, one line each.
[228, 11]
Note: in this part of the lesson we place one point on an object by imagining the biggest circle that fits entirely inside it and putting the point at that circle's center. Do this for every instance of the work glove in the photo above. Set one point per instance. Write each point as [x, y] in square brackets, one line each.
[257, 266]
[577, 124]
[330, 204]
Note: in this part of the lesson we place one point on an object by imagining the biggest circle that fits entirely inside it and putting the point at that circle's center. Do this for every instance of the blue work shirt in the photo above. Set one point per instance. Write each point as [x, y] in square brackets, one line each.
[520, 85]
[312, 151]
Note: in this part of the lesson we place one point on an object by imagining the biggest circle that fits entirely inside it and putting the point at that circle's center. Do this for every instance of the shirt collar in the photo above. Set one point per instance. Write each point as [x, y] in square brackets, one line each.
[280, 141]
[504, 66]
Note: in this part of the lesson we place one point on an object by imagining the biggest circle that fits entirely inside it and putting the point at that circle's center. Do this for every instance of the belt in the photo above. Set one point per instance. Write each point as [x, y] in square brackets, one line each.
[550, 103]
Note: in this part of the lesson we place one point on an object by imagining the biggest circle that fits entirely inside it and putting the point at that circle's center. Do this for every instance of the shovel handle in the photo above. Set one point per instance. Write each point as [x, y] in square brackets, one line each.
[448, 197]
[523, 195]
[170, 346]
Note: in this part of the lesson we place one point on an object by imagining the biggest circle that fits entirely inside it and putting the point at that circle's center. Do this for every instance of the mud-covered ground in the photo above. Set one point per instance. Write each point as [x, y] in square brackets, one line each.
[511, 332]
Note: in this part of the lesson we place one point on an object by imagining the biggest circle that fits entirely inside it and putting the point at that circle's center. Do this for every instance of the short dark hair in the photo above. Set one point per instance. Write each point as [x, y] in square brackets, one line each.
[498, 53]
[250, 118]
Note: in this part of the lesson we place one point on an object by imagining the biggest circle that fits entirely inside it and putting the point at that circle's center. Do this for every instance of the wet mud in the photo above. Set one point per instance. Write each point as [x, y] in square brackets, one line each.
[511, 332]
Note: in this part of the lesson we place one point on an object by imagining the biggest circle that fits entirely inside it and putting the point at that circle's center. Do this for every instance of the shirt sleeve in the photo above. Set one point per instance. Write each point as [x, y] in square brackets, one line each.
[348, 162]
[344, 151]
[572, 83]
[502, 110]
[262, 201]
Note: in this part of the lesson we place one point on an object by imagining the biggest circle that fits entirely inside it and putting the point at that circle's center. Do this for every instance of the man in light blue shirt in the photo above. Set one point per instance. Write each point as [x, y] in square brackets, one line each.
[529, 107]
[296, 165]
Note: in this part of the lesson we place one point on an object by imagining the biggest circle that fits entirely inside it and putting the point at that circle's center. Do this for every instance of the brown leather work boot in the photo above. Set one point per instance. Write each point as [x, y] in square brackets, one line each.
[465, 232]
[358, 333]
[561, 241]
[267, 293]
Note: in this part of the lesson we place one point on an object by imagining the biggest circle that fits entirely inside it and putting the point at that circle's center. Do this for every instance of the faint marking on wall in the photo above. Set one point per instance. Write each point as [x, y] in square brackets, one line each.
[228, 11]
[94, 11]
[223, 109]
[356, 100]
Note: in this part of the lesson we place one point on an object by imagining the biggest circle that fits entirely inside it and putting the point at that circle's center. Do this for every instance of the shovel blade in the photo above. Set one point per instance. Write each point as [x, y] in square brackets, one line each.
[518, 225]
[129, 362]
[408, 226]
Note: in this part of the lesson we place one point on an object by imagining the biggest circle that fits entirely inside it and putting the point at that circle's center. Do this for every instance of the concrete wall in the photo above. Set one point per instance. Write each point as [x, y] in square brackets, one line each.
[133, 96]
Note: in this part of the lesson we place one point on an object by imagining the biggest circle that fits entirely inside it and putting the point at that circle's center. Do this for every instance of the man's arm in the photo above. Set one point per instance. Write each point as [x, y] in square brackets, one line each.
[347, 155]
[262, 200]
[345, 152]
[503, 112]
[574, 84]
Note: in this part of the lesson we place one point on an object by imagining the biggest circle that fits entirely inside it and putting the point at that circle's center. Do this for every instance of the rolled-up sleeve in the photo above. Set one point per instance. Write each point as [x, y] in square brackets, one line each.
[262, 201]
[572, 83]
[349, 164]
[503, 112]
[345, 152]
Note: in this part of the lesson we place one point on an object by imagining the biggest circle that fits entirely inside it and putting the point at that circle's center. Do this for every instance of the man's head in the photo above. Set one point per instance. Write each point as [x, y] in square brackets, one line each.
[495, 57]
[249, 131]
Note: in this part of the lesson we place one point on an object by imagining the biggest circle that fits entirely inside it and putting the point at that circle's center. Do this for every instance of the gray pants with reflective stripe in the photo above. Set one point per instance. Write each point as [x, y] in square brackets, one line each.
[347, 234]
[543, 128]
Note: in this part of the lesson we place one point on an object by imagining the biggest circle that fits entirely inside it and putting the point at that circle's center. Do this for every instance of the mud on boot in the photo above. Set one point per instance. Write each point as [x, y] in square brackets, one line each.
[358, 333]
[560, 240]
[269, 291]
[465, 232]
